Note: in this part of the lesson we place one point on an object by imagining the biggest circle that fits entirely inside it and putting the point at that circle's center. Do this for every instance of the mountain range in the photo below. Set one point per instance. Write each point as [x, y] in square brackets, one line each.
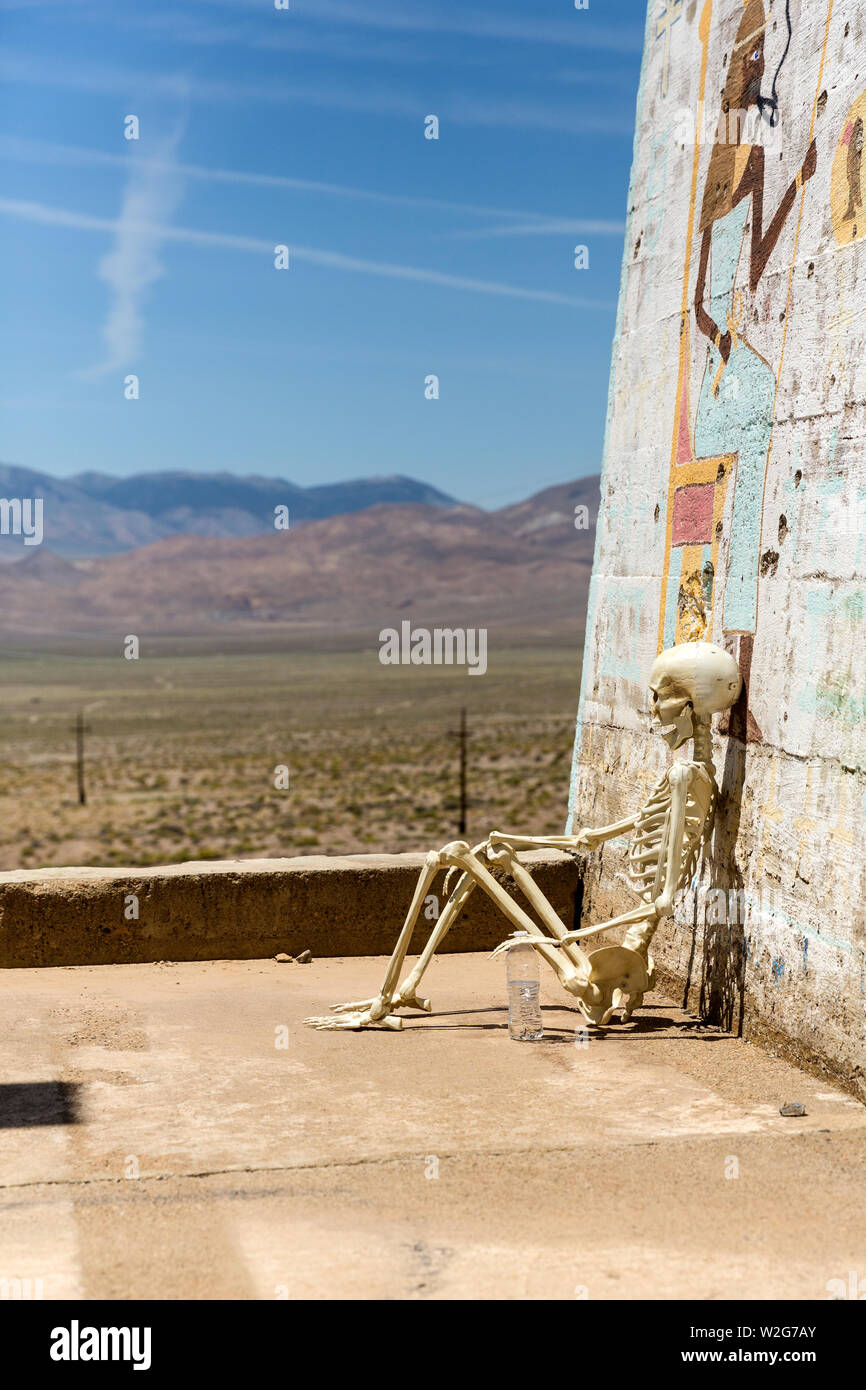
[522, 569]
[98, 514]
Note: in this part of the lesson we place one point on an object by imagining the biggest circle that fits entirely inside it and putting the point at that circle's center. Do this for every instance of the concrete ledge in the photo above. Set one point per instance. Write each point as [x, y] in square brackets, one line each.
[244, 909]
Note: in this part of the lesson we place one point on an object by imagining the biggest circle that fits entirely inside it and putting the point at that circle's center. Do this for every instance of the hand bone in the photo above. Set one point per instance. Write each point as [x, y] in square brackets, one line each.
[520, 938]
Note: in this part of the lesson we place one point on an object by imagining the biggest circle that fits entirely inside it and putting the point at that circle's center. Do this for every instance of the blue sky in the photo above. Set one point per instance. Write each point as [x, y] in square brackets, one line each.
[409, 256]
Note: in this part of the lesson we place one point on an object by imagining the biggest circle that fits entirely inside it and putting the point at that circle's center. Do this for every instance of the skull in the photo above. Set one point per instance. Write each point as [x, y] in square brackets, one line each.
[693, 679]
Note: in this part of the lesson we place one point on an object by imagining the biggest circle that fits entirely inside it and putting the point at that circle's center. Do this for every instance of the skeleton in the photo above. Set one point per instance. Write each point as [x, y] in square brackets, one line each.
[689, 684]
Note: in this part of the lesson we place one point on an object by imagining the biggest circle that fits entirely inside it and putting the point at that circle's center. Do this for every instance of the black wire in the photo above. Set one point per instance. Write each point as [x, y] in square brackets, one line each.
[772, 101]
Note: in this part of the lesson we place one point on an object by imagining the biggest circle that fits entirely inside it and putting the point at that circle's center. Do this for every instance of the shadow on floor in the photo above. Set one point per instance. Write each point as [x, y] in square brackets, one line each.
[639, 1026]
[29, 1103]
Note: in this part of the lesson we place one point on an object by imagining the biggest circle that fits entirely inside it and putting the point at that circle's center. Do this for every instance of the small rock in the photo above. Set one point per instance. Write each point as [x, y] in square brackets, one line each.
[283, 958]
[305, 958]
[792, 1107]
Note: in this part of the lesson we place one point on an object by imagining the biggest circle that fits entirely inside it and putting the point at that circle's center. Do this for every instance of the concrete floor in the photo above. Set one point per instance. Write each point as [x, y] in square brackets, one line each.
[156, 1142]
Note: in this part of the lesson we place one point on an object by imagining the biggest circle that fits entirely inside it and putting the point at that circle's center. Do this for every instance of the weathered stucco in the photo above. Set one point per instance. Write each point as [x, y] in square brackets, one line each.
[734, 505]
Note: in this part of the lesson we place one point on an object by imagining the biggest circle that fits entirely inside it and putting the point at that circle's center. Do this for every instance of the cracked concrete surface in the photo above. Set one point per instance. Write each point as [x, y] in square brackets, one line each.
[159, 1140]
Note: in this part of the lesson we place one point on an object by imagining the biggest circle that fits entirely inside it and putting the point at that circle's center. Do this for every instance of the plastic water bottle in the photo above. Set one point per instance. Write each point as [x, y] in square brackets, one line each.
[524, 1007]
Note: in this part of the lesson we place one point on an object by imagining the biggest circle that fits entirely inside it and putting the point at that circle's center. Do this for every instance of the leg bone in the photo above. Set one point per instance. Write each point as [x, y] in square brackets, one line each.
[378, 1011]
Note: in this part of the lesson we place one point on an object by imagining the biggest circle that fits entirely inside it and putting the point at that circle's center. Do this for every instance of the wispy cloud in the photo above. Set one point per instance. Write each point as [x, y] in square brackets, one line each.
[206, 31]
[72, 156]
[359, 32]
[579, 30]
[550, 226]
[315, 24]
[133, 264]
[374, 99]
[332, 260]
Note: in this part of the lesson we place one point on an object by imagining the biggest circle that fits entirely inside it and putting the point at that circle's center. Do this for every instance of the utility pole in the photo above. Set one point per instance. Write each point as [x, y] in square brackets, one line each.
[462, 736]
[80, 730]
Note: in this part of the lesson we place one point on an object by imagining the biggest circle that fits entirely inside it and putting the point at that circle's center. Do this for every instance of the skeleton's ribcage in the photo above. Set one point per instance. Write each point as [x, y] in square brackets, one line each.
[647, 860]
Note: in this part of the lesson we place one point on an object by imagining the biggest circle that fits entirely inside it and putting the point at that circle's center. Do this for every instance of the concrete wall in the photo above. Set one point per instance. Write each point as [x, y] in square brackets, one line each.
[733, 505]
[245, 910]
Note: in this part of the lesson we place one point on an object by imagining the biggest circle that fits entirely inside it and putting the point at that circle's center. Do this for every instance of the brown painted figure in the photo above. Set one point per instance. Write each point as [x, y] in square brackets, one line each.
[734, 414]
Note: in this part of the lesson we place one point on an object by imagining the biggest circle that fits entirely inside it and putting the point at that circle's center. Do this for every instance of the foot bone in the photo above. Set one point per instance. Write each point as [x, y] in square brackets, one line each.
[400, 1001]
[360, 1018]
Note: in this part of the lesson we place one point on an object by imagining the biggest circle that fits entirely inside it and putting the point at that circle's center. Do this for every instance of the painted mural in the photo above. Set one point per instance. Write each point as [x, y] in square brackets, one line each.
[727, 377]
[846, 180]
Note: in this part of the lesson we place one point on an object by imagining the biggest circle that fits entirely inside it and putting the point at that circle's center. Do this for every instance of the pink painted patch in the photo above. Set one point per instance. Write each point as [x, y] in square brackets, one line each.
[693, 514]
[847, 133]
[684, 439]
